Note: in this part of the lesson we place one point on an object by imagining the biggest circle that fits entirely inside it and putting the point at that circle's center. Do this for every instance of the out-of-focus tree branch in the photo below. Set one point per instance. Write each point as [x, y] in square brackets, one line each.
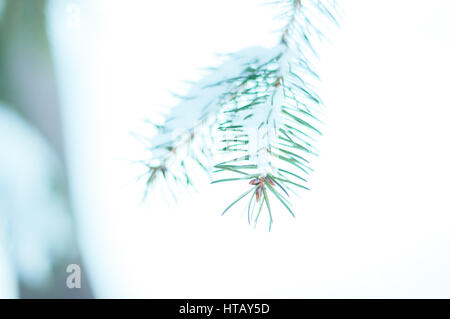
[29, 86]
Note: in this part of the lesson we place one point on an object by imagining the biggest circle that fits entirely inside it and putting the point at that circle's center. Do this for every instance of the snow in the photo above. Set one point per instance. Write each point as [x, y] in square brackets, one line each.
[204, 98]
[262, 127]
[261, 130]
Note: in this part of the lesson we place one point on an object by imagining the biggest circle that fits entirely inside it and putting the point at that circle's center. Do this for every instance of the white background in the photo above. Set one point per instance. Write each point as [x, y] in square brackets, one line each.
[376, 223]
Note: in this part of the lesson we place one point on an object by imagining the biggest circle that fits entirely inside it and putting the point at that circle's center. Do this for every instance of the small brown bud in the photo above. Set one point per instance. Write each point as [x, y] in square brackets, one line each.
[278, 82]
[270, 181]
[258, 194]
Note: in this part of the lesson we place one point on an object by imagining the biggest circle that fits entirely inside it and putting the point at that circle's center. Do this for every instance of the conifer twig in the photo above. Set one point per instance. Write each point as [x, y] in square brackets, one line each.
[263, 103]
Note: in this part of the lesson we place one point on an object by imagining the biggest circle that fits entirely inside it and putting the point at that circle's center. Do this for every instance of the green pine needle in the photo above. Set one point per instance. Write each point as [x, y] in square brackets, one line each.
[266, 115]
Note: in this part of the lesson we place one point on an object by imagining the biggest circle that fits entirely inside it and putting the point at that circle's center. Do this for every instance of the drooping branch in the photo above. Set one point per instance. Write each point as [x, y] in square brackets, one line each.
[186, 134]
[263, 103]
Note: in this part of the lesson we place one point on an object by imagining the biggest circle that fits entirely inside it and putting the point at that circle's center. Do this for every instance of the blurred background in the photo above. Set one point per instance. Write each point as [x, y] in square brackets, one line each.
[38, 236]
[78, 77]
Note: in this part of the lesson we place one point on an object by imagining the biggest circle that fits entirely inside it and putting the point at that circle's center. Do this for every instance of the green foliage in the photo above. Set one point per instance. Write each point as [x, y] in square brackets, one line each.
[266, 115]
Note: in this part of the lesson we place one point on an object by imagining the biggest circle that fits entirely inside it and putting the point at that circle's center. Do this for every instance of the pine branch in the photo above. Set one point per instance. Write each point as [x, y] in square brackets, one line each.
[187, 132]
[263, 103]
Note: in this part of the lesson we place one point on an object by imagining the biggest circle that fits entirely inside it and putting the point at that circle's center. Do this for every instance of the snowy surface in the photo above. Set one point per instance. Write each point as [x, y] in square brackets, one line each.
[203, 100]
